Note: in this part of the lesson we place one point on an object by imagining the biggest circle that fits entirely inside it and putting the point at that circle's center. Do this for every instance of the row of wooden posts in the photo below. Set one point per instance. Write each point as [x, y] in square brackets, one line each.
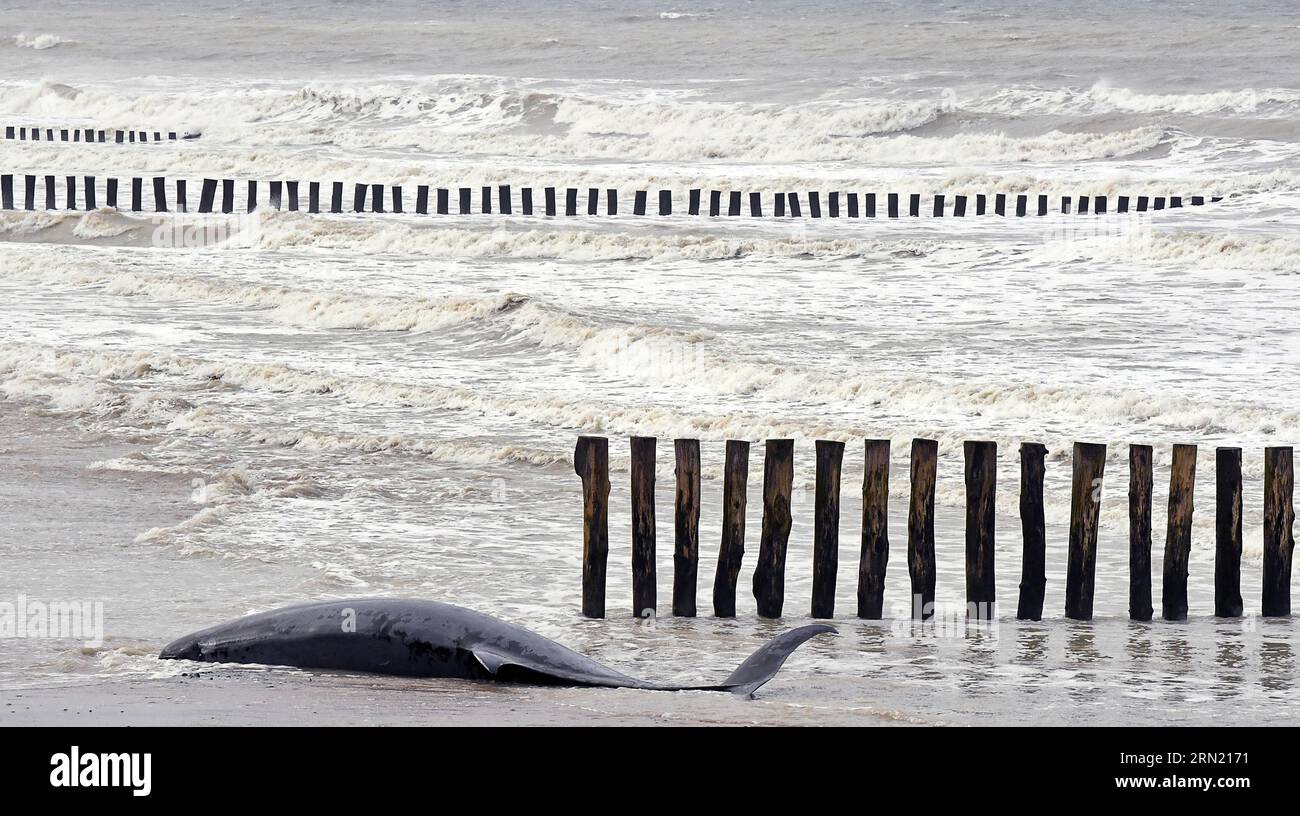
[591, 462]
[219, 195]
[34, 134]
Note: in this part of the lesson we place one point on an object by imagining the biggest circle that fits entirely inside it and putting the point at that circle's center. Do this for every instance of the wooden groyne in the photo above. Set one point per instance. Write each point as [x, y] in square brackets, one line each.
[227, 196]
[35, 133]
[591, 461]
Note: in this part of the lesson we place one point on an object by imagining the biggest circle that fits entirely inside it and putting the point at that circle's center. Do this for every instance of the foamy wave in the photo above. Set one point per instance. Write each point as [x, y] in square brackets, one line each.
[101, 223]
[678, 136]
[1189, 250]
[295, 306]
[1243, 101]
[710, 130]
[373, 236]
[18, 223]
[1103, 98]
[40, 42]
[68, 379]
[110, 107]
[641, 352]
[225, 492]
[1143, 415]
[477, 115]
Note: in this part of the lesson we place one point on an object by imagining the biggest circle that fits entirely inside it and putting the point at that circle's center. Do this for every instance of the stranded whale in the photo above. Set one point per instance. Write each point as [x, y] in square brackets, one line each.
[430, 639]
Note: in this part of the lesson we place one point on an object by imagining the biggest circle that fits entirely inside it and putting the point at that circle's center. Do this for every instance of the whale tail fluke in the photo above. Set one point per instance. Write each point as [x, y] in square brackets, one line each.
[763, 664]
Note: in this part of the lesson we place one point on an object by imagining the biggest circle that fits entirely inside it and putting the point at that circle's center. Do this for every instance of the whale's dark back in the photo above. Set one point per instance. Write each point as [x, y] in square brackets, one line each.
[405, 637]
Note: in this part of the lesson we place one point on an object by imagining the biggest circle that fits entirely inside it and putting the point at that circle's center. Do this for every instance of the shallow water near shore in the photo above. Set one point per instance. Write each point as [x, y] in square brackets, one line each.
[356, 405]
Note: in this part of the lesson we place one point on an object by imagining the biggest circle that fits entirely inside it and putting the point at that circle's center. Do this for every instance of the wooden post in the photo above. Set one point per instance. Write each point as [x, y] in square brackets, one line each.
[1085, 511]
[686, 535]
[1227, 533]
[591, 462]
[1279, 514]
[732, 550]
[1178, 533]
[643, 526]
[1140, 483]
[826, 527]
[981, 499]
[769, 572]
[920, 526]
[875, 530]
[1033, 527]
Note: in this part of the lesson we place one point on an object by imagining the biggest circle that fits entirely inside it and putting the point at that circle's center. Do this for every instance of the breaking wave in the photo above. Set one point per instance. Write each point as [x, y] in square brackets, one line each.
[40, 42]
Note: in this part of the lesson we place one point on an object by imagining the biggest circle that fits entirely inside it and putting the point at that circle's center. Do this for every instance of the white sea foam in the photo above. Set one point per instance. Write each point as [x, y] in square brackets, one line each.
[1189, 251]
[232, 491]
[525, 119]
[551, 242]
[301, 307]
[40, 42]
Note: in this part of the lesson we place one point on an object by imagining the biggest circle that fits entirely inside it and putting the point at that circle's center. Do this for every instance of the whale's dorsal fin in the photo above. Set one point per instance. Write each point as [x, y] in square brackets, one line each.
[490, 660]
[510, 667]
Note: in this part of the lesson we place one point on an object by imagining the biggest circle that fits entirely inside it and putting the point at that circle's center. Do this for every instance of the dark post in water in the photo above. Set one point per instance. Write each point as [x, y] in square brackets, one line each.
[1279, 541]
[920, 526]
[981, 500]
[1227, 533]
[643, 526]
[731, 553]
[1140, 483]
[778, 482]
[591, 462]
[826, 527]
[875, 530]
[1178, 533]
[686, 530]
[1085, 511]
[1033, 569]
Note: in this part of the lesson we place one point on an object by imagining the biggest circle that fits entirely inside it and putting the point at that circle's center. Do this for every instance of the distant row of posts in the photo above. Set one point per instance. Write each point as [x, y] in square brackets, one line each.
[219, 195]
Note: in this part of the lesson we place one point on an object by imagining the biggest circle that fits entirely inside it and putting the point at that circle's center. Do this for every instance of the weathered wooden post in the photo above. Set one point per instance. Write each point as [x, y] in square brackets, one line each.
[778, 482]
[1178, 533]
[875, 530]
[1227, 533]
[1033, 565]
[1140, 483]
[732, 550]
[826, 527]
[159, 194]
[686, 537]
[1085, 511]
[981, 495]
[920, 526]
[591, 462]
[643, 526]
[1279, 541]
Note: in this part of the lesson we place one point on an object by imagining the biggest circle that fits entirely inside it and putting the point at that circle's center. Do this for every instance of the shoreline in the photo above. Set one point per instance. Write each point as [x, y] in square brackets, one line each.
[284, 698]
